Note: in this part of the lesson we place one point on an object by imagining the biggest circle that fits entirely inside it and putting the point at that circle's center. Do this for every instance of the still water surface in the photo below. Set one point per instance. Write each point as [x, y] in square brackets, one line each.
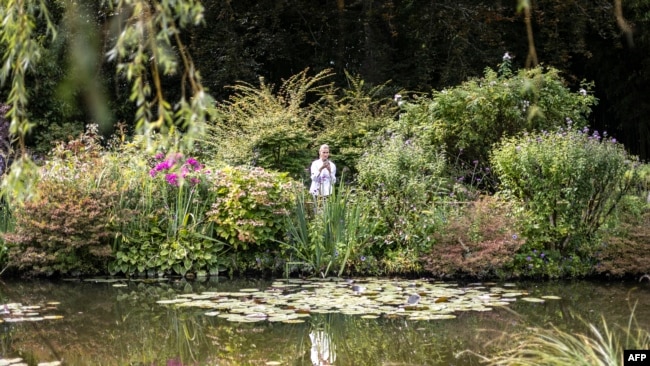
[103, 324]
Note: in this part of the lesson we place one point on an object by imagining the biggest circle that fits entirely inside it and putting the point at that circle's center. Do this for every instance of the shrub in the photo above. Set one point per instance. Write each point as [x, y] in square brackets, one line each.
[478, 113]
[567, 183]
[169, 231]
[403, 180]
[250, 205]
[69, 224]
[477, 241]
[264, 127]
[348, 122]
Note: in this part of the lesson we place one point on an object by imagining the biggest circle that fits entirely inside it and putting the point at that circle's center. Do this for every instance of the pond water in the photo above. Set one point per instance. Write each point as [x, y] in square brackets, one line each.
[144, 322]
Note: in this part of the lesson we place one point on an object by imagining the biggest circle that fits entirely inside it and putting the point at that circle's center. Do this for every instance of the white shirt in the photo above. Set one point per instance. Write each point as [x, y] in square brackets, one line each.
[322, 180]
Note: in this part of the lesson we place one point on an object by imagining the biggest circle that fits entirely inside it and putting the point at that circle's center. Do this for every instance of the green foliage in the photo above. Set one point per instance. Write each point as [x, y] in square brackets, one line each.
[478, 113]
[22, 50]
[567, 183]
[249, 205]
[68, 226]
[404, 180]
[333, 236]
[169, 231]
[553, 346]
[349, 121]
[157, 37]
[267, 128]
[6, 225]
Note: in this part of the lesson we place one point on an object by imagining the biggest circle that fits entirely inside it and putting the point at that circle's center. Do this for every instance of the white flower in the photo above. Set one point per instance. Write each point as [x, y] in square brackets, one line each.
[507, 57]
[583, 92]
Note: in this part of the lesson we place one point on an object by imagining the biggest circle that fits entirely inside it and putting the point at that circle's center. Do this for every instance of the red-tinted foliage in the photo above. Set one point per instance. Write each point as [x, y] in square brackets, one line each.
[626, 252]
[476, 243]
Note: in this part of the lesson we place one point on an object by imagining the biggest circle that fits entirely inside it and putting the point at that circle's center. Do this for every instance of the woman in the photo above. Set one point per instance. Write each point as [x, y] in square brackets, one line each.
[323, 173]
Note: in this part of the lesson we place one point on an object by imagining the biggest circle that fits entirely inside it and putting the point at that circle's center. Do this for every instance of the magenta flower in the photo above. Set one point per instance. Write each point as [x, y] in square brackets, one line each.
[195, 164]
[159, 156]
[164, 165]
[172, 179]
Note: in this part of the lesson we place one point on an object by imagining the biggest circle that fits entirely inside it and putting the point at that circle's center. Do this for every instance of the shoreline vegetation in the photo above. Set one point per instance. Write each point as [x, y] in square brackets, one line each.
[491, 179]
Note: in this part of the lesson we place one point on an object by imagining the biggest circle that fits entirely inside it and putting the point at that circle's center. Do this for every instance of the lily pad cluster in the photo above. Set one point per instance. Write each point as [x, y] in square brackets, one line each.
[293, 300]
[17, 312]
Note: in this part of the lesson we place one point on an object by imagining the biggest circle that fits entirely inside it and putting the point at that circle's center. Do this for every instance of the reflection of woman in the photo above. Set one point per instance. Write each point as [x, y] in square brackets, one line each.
[322, 349]
[323, 173]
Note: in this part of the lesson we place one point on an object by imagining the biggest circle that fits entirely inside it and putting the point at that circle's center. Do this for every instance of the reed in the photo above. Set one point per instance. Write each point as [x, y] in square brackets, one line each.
[599, 346]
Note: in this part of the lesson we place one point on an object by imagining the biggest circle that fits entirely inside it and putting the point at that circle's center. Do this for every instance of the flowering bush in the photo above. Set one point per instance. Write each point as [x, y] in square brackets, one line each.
[170, 232]
[567, 183]
[479, 112]
[250, 205]
[404, 180]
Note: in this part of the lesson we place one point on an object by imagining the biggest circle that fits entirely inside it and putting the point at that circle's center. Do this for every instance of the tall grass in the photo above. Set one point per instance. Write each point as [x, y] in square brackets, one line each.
[553, 346]
[327, 238]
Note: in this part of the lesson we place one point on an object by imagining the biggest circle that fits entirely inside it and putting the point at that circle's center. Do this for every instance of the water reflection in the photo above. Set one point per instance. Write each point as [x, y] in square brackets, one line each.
[110, 325]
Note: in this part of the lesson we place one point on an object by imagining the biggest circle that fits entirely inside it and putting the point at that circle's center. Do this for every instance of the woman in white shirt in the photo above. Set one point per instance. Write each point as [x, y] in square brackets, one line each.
[323, 173]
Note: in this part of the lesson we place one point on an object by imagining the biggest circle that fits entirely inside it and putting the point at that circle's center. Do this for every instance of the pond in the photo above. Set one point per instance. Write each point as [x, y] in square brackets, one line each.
[203, 322]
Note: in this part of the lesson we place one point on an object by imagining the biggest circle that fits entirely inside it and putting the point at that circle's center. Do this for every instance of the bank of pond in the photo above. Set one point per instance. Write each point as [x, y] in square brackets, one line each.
[320, 321]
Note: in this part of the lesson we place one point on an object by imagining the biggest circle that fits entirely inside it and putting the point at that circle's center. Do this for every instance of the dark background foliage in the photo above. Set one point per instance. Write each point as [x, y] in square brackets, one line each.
[418, 45]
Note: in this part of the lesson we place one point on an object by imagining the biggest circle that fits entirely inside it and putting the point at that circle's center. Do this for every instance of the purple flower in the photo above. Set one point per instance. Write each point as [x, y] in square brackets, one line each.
[159, 156]
[528, 258]
[475, 162]
[152, 173]
[542, 255]
[515, 237]
[195, 164]
[164, 165]
[172, 179]
[363, 258]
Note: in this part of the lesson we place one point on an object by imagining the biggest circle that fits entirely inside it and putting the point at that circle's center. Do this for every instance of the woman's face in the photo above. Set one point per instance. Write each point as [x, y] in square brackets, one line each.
[324, 154]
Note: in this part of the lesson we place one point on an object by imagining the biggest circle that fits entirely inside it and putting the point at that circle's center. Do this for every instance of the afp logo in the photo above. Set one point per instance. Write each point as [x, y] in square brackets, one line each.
[636, 357]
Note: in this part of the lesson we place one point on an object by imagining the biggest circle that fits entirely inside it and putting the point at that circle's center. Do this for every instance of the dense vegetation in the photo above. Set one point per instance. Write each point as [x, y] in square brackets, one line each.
[496, 174]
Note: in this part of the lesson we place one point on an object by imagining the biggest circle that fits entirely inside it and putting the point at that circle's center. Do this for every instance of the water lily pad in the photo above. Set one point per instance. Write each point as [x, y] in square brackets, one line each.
[532, 299]
[293, 321]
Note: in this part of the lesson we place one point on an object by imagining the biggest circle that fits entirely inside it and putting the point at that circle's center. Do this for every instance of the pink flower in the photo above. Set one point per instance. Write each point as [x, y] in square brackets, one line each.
[195, 164]
[172, 179]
